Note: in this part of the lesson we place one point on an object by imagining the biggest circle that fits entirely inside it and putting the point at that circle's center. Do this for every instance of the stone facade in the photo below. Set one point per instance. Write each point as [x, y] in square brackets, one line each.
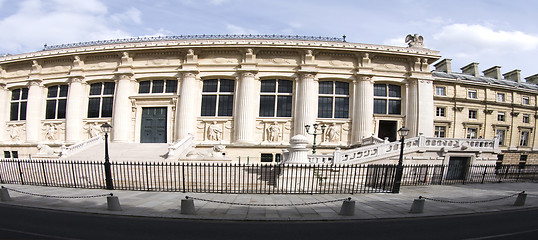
[249, 95]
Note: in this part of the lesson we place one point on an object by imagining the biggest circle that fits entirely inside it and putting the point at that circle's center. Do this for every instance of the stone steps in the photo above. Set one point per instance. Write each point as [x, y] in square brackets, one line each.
[124, 152]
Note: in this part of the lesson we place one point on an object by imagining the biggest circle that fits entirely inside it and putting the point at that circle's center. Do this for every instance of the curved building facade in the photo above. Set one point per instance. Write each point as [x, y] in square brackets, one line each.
[250, 95]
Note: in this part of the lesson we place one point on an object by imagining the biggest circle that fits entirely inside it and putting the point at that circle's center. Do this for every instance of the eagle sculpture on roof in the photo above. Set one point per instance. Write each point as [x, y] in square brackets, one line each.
[414, 40]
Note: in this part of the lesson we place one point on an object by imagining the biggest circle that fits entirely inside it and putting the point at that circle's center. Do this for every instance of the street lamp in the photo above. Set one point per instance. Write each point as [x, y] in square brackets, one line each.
[315, 133]
[108, 173]
[399, 169]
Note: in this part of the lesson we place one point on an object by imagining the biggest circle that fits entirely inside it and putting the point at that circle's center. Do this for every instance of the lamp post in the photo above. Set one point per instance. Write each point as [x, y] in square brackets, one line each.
[108, 173]
[315, 133]
[399, 169]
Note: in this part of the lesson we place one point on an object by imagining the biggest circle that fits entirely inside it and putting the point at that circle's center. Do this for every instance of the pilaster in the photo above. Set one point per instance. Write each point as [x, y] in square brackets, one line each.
[33, 110]
[363, 114]
[306, 107]
[187, 110]
[246, 108]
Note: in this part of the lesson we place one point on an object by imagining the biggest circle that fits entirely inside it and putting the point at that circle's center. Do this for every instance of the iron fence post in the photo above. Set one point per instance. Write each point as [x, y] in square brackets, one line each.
[108, 170]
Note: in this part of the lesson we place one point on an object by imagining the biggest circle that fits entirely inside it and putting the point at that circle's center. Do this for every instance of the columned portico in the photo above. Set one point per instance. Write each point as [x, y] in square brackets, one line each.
[33, 110]
[187, 105]
[74, 113]
[246, 107]
[363, 116]
[306, 107]
[121, 118]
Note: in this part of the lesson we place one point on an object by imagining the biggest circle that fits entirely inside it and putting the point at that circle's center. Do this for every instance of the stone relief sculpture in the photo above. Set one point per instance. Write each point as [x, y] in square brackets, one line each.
[15, 133]
[332, 134]
[414, 40]
[45, 151]
[273, 132]
[214, 132]
[94, 129]
[51, 131]
[215, 153]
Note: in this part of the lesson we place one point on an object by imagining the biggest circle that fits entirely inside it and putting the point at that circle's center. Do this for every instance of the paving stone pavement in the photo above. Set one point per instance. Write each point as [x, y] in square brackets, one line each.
[293, 207]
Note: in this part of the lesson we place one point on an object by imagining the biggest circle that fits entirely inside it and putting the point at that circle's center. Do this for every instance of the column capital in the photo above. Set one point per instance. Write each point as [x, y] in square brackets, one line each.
[34, 82]
[364, 77]
[124, 75]
[76, 79]
[247, 73]
[307, 74]
[3, 85]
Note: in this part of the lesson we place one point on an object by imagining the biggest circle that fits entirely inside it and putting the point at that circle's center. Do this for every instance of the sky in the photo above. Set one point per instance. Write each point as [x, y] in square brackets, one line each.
[491, 32]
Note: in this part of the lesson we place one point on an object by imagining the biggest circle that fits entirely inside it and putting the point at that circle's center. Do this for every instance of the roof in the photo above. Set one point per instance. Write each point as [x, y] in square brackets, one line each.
[486, 80]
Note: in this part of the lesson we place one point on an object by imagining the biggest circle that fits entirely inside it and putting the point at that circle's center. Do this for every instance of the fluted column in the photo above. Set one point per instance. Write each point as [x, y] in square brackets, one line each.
[186, 107]
[363, 114]
[248, 94]
[74, 113]
[306, 107]
[4, 110]
[121, 117]
[412, 116]
[425, 107]
[33, 110]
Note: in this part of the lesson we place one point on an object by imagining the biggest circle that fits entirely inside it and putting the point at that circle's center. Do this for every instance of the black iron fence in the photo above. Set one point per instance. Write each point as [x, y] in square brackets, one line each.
[251, 178]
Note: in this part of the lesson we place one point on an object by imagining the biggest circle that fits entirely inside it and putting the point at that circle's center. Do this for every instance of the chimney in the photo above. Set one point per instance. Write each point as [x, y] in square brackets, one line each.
[444, 66]
[532, 79]
[471, 69]
[494, 72]
[513, 75]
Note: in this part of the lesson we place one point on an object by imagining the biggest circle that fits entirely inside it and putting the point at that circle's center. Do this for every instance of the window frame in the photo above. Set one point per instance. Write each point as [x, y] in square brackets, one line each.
[501, 114]
[279, 109]
[21, 104]
[152, 86]
[468, 134]
[388, 99]
[58, 100]
[219, 97]
[439, 130]
[473, 114]
[472, 94]
[440, 90]
[440, 111]
[525, 100]
[501, 97]
[524, 138]
[336, 107]
[526, 118]
[101, 103]
[501, 138]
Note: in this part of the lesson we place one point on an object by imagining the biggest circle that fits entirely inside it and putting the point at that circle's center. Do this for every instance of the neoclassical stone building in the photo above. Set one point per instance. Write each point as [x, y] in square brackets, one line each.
[251, 94]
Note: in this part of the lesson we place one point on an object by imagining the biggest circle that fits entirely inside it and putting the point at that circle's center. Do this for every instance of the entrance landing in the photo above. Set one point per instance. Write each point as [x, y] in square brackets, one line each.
[124, 152]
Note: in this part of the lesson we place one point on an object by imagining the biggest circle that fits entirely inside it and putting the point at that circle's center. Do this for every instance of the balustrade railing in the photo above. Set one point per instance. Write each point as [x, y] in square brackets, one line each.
[81, 146]
[181, 148]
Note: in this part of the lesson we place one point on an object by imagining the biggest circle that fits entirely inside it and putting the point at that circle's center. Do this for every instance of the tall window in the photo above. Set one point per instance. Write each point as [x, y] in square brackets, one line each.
[440, 131]
[387, 99]
[440, 112]
[440, 91]
[19, 99]
[275, 98]
[101, 99]
[158, 86]
[501, 133]
[333, 100]
[217, 97]
[472, 132]
[522, 161]
[56, 102]
[526, 118]
[524, 139]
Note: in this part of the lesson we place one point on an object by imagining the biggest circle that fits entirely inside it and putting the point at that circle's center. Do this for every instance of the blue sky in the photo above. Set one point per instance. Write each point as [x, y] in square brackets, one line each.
[490, 32]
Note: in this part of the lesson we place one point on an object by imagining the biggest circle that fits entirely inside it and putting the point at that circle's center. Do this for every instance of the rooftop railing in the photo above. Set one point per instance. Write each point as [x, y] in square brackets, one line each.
[196, 37]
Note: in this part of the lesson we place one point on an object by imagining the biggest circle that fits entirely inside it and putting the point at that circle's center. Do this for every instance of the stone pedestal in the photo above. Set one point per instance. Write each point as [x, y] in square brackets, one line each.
[298, 152]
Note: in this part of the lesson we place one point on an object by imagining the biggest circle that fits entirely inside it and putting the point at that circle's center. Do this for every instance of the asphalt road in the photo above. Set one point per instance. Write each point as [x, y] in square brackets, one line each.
[31, 223]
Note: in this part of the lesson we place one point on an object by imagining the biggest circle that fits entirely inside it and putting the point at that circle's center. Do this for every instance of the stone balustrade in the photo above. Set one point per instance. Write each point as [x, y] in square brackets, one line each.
[66, 151]
[181, 148]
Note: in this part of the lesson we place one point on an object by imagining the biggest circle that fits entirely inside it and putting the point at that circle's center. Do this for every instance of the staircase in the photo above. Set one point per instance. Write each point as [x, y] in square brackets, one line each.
[123, 152]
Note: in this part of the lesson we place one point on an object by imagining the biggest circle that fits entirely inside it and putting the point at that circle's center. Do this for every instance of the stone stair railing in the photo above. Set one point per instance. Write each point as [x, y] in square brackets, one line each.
[375, 152]
[180, 149]
[77, 147]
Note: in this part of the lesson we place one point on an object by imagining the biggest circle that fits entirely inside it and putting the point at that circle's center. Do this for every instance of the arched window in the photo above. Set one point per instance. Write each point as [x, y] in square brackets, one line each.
[158, 86]
[387, 99]
[276, 98]
[19, 99]
[101, 99]
[56, 102]
[333, 100]
[218, 97]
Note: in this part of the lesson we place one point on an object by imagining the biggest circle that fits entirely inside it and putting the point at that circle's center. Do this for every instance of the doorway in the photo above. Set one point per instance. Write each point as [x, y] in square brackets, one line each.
[457, 168]
[153, 127]
[387, 129]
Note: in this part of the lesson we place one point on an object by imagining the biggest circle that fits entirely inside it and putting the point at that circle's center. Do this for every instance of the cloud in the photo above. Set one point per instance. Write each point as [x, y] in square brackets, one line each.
[484, 39]
[131, 15]
[217, 2]
[36, 22]
[234, 29]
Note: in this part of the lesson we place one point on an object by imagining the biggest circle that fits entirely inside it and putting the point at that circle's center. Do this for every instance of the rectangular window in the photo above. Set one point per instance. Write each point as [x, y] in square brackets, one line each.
[500, 97]
[387, 99]
[267, 106]
[325, 107]
[284, 106]
[217, 97]
[524, 139]
[440, 111]
[19, 99]
[380, 90]
[472, 94]
[501, 116]
[522, 161]
[380, 106]
[101, 100]
[440, 131]
[266, 157]
[473, 114]
[500, 133]
[158, 86]
[276, 98]
[440, 91]
[472, 133]
[171, 86]
[525, 101]
[56, 102]
[333, 99]
[499, 163]
[395, 107]
[526, 118]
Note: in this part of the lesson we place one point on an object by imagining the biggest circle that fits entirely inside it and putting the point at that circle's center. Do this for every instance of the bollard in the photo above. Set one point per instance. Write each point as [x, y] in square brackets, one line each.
[113, 203]
[418, 205]
[520, 200]
[187, 206]
[4, 194]
[348, 208]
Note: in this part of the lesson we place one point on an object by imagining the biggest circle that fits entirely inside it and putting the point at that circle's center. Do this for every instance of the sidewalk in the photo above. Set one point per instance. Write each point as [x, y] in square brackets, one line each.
[294, 207]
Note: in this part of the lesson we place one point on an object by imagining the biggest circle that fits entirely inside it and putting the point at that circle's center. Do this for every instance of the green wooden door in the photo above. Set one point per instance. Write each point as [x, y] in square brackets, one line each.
[153, 129]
